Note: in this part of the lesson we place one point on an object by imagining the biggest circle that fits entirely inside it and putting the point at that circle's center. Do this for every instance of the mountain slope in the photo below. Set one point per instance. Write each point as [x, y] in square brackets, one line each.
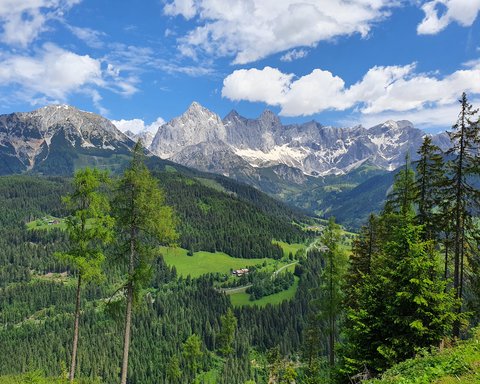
[52, 139]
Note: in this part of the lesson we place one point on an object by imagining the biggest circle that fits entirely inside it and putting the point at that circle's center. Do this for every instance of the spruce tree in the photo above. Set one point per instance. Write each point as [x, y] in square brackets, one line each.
[143, 222]
[429, 183]
[330, 293]
[465, 163]
[402, 305]
[227, 332]
[89, 226]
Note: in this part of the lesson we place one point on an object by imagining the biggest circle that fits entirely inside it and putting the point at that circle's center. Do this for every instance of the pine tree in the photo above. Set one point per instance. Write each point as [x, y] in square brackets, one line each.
[330, 293]
[143, 222]
[465, 138]
[192, 353]
[429, 183]
[227, 332]
[88, 227]
[400, 199]
[364, 248]
[402, 305]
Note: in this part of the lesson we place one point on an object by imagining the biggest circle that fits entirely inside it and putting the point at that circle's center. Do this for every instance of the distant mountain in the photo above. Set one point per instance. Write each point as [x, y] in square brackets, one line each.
[145, 136]
[312, 148]
[52, 139]
[320, 169]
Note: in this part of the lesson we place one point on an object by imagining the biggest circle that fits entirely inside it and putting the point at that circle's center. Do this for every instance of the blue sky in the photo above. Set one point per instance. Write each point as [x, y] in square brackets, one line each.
[339, 62]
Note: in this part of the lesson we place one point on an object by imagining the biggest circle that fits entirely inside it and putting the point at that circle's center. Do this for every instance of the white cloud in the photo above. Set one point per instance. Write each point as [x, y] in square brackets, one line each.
[294, 54]
[440, 13]
[253, 29]
[53, 72]
[392, 88]
[138, 125]
[22, 21]
[268, 85]
[186, 8]
[90, 36]
[436, 118]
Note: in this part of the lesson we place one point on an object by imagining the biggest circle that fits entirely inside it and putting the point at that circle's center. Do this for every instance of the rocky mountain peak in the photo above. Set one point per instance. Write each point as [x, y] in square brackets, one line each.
[232, 115]
[270, 118]
[30, 137]
[196, 125]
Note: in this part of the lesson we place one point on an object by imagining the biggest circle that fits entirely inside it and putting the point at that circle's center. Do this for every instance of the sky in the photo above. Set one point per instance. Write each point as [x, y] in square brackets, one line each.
[340, 62]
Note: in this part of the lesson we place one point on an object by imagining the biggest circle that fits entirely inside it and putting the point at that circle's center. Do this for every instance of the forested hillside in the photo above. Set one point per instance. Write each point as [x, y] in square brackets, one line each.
[37, 293]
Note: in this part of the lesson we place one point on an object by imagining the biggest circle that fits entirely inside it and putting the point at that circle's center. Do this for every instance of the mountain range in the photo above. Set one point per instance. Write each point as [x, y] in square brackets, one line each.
[315, 167]
[201, 139]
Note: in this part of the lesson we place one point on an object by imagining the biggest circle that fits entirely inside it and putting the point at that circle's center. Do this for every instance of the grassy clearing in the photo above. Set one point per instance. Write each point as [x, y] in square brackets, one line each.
[205, 262]
[240, 299]
[287, 248]
[46, 223]
[459, 364]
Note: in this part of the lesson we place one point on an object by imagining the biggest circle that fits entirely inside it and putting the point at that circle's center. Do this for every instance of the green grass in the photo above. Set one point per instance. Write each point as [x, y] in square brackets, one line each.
[204, 262]
[240, 299]
[287, 248]
[459, 364]
[42, 224]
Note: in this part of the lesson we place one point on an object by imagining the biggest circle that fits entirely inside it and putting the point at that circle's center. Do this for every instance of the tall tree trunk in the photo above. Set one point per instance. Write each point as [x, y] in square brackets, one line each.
[446, 260]
[126, 342]
[332, 318]
[128, 311]
[75, 330]
[459, 225]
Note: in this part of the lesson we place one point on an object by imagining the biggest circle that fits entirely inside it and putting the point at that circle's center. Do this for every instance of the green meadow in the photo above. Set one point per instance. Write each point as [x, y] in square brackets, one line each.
[240, 299]
[205, 262]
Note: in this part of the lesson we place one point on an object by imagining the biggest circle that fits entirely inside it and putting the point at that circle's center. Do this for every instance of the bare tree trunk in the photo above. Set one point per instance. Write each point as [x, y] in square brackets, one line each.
[126, 342]
[332, 318]
[75, 331]
[457, 283]
[128, 311]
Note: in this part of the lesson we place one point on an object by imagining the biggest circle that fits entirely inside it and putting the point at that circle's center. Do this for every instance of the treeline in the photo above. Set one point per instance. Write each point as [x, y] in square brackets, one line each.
[208, 220]
[176, 337]
[412, 279]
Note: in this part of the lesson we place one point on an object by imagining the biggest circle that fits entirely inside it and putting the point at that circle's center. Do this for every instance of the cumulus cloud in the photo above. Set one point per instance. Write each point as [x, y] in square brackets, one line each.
[440, 13]
[389, 88]
[436, 117]
[53, 72]
[22, 21]
[253, 29]
[138, 125]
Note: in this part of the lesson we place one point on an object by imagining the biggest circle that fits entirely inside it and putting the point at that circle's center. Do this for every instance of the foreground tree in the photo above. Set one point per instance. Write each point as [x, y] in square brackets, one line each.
[402, 304]
[88, 227]
[430, 181]
[143, 222]
[465, 138]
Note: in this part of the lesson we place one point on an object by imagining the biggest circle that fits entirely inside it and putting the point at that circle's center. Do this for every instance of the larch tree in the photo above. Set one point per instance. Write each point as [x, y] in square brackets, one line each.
[89, 226]
[331, 292]
[143, 222]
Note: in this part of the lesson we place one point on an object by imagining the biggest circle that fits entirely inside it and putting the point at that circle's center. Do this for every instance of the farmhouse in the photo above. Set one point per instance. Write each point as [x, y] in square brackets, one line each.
[240, 272]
